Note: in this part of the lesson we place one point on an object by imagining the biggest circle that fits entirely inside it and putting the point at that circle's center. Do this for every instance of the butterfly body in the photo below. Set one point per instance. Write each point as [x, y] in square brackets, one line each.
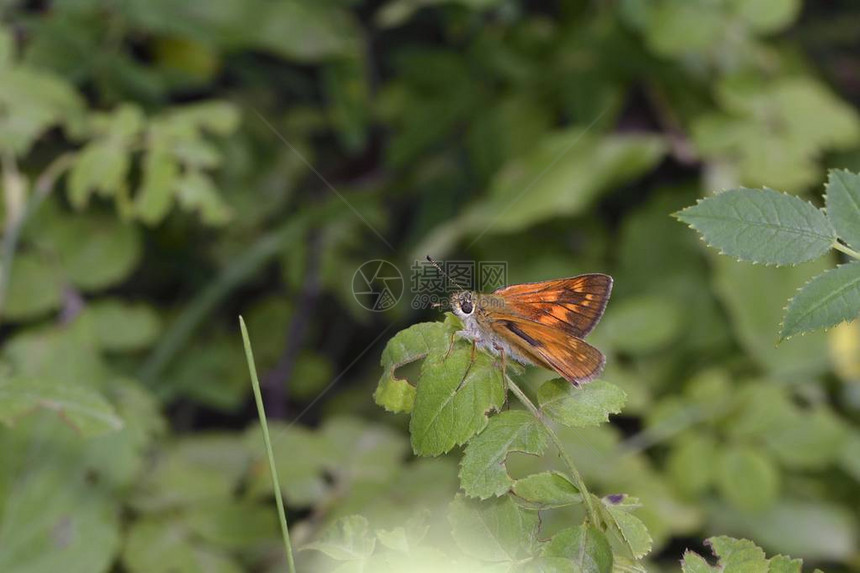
[477, 327]
[541, 323]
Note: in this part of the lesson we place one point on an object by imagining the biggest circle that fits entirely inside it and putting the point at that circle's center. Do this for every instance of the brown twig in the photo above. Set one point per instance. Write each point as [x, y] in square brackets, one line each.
[679, 144]
[275, 381]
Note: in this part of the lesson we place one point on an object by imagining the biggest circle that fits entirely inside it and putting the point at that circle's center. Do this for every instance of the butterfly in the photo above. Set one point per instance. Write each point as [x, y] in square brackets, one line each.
[542, 323]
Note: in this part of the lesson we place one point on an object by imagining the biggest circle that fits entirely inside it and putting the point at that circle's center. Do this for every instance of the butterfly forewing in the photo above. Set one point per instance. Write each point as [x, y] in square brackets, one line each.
[574, 305]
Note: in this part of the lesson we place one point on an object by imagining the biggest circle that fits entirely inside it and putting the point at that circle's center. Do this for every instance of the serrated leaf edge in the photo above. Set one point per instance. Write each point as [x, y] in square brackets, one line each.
[677, 215]
[503, 462]
[796, 293]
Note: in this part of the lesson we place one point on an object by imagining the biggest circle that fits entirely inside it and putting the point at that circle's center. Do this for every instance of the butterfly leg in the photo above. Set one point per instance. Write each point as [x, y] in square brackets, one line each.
[471, 363]
[503, 355]
[464, 334]
[451, 346]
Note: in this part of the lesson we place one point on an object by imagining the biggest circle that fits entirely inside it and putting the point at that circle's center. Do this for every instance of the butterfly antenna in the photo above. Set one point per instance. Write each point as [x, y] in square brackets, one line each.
[447, 276]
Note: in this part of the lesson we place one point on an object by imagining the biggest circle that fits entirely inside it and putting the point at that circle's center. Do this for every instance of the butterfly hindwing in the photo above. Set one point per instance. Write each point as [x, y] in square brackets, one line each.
[573, 358]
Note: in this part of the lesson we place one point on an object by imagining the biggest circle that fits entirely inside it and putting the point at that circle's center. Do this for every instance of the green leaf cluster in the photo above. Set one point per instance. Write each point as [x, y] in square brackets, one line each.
[772, 228]
[449, 401]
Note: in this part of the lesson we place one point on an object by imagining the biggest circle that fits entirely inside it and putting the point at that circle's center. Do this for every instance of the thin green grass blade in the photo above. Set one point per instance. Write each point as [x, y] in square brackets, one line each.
[261, 412]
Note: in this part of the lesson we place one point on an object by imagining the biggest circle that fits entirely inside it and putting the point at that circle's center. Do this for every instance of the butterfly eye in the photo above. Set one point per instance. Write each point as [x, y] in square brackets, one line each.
[466, 304]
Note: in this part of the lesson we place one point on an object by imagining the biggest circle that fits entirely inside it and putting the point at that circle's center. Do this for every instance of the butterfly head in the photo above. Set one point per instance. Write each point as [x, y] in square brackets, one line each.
[463, 303]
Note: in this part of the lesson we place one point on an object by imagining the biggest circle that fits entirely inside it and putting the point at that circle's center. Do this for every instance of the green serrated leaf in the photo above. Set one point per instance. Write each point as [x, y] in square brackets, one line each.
[748, 478]
[394, 394]
[82, 408]
[738, 555]
[629, 527]
[409, 345]
[547, 490]
[415, 343]
[349, 538]
[827, 300]
[493, 530]
[695, 563]
[843, 205]
[587, 405]
[581, 549]
[453, 398]
[784, 564]
[761, 226]
[482, 470]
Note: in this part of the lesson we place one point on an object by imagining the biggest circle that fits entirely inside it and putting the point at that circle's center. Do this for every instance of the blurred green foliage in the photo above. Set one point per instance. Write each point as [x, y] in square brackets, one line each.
[167, 166]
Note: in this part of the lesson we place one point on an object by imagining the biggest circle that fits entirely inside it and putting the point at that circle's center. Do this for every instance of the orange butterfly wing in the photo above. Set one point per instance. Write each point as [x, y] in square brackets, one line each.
[573, 358]
[574, 305]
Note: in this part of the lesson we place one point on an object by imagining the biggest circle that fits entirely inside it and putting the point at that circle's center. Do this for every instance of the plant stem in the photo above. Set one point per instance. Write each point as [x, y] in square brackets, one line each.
[261, 412]
[276, 382]
[18, 217]
[846, 249]
[577, 478]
